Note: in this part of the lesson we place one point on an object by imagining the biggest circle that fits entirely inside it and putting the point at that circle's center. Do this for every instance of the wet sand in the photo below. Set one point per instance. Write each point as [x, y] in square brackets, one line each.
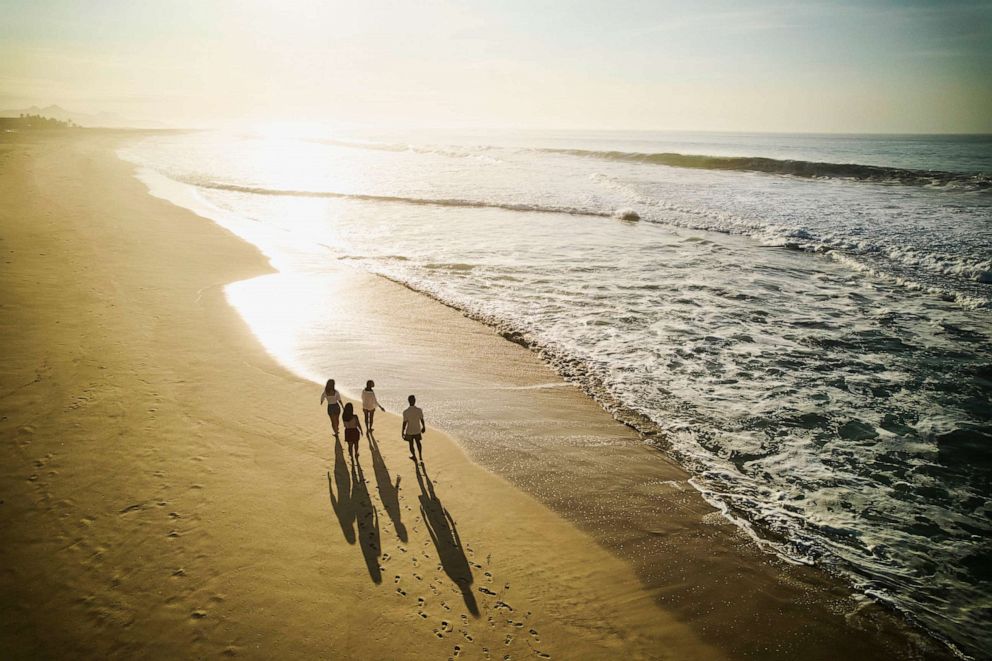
[169, 490]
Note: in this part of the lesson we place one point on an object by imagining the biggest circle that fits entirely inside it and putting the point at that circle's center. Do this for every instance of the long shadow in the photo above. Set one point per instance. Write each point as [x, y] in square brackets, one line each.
[444, 534]
[342, 504]
[389, 493]
[368, 522]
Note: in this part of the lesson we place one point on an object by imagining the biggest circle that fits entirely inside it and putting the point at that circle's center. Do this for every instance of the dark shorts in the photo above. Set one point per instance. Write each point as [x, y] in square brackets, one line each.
[352, 435]
[333, 409]
[413, 437]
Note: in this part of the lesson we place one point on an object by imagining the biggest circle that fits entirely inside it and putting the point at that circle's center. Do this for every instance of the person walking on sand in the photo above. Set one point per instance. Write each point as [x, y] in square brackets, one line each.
[333, 398]
[369, 402]
[414, 427]
[352, 429]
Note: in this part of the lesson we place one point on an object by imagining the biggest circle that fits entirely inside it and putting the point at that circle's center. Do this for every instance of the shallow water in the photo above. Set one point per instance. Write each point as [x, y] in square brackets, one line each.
[815, 349]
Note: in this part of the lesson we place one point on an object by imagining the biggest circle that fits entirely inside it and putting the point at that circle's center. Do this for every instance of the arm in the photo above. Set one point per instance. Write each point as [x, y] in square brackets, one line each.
[423, 425]
[323, 396]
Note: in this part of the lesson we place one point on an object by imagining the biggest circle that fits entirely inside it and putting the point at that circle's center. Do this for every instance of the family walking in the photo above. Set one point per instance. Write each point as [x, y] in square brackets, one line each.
[412, 431]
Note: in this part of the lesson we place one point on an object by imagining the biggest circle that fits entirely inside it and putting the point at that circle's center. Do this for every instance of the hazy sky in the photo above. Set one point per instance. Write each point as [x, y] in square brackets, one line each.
[832, 65]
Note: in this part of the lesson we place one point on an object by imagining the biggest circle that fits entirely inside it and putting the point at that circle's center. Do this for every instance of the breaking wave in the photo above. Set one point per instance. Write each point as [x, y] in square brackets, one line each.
[805, 169]
[423, 201]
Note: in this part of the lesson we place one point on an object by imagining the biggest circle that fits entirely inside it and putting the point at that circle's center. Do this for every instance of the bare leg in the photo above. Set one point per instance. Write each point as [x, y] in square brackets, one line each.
[412, 455]
[371, 416]
[334, 423]
[420, 449]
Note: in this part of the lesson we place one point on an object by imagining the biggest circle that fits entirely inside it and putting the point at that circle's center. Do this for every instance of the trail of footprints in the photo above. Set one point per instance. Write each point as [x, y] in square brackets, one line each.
[499, 632]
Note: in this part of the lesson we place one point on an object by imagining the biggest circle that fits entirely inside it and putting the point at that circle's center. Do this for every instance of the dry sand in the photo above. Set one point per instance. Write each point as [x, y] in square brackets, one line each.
[168, 490]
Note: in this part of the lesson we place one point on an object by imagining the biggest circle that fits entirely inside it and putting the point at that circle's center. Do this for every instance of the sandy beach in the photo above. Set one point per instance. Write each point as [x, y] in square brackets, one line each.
[170, 491]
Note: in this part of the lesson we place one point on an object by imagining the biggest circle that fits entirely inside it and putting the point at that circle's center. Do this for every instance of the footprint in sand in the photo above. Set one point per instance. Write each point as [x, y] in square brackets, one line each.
[457, 650]
[485, 590]
[401, 592]
[397, 579]
[508, 639]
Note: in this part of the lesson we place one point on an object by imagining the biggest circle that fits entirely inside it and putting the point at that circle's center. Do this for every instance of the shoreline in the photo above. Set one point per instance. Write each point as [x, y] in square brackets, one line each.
[567, 591]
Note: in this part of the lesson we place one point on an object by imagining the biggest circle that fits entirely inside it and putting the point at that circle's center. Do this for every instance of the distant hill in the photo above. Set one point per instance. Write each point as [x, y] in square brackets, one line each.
[99, 120]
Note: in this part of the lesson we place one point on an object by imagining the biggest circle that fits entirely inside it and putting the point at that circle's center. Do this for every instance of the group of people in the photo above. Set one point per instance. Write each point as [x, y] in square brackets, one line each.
[413, 429]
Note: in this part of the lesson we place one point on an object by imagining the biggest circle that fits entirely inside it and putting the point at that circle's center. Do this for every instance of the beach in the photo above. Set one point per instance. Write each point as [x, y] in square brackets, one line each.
[170, 490]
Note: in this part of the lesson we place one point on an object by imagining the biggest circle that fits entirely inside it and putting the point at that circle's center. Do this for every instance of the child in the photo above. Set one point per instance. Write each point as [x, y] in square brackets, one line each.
[352, 428]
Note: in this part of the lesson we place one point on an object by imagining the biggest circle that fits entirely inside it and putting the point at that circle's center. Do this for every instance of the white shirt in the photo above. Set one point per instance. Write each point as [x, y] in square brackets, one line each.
[331, 399]
[414, 419]
[369, 400]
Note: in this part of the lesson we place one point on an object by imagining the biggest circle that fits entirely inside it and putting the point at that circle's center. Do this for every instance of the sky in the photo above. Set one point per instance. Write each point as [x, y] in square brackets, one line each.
[877, 66]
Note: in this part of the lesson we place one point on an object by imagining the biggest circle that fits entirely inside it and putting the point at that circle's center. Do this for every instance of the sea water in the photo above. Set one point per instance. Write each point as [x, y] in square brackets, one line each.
[802, 321]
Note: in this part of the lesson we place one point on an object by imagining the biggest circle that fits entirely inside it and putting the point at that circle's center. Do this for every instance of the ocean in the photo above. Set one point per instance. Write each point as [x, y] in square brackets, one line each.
[804, 322]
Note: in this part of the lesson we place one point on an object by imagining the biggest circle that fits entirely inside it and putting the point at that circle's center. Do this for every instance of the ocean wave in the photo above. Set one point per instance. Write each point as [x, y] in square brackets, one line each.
[624, 214]
[795, 168]
[477, 152]
[849, 251]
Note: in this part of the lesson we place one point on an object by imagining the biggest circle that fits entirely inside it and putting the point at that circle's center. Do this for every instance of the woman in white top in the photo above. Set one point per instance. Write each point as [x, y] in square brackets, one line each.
[333, 398]
[369, 402]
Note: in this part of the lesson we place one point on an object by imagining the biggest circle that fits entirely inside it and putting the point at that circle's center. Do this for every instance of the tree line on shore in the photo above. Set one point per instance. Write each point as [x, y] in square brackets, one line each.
[26, 121]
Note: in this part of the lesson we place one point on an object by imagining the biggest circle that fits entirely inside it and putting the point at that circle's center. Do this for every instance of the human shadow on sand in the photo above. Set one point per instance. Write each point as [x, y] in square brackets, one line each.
[389, 493]
[444, 534]
[341, 503]
[352, 505]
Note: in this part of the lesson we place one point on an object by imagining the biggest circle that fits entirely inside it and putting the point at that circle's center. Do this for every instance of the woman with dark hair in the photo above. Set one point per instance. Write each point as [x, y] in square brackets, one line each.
[333, 398]
[352, 428]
